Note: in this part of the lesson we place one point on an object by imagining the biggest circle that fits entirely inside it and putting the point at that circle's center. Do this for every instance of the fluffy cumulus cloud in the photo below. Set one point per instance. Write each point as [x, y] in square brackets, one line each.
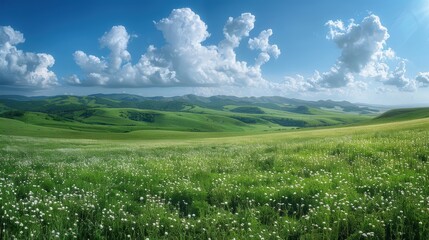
[234, 30]
[183, 28]
[184, 60]
[360, 44]
[399, 79]
[23, 69]
[262, 43]
[364, 57]
[116, 41]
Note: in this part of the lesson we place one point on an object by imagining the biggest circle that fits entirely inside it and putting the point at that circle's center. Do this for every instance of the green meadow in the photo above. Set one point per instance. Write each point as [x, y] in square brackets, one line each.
[343, 182]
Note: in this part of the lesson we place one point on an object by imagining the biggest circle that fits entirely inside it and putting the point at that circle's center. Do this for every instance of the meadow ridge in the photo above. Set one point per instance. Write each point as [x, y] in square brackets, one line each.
[356, 182]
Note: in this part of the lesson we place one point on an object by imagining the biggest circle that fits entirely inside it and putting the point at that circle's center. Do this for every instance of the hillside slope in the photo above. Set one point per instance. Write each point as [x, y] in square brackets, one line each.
[403, 114]
[123, 113]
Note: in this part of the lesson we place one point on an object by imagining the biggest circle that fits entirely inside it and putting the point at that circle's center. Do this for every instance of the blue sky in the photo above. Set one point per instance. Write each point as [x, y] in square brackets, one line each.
[390, 66]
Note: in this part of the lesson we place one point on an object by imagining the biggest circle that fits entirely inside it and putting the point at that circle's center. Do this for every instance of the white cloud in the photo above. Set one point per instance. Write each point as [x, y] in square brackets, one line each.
[73, 80]
[116, 40]
[296, 84]
[400, 80]
[337, 77]
[183, 61]
[89, 63]
[9, 36]
[237, 28]
[262, 43]
[422, 79]
[234, 30]
[364, 58]
[23, 69]
[183, 28]
[360, 44]
[362, 51]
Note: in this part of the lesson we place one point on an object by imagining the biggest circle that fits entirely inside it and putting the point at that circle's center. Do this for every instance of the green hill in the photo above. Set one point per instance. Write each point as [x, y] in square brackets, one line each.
[124, 113]
[403, 114]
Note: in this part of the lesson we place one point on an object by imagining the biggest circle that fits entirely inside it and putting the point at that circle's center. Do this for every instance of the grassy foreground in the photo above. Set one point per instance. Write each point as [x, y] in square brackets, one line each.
[346, 183]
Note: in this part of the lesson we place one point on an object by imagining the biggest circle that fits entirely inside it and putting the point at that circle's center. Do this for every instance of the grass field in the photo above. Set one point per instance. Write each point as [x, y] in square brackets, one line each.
[368, 181]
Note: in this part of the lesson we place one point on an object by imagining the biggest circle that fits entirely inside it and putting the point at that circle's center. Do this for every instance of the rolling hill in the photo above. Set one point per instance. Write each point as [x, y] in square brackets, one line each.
[403, 114]
[124, 113]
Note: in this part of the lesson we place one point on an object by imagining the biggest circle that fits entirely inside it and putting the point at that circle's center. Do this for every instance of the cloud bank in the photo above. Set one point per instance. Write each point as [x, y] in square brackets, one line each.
[23, 69]
[183, 61]
[364, 58]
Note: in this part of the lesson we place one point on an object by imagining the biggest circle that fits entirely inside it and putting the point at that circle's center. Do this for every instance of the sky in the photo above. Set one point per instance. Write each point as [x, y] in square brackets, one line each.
[368, 51]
